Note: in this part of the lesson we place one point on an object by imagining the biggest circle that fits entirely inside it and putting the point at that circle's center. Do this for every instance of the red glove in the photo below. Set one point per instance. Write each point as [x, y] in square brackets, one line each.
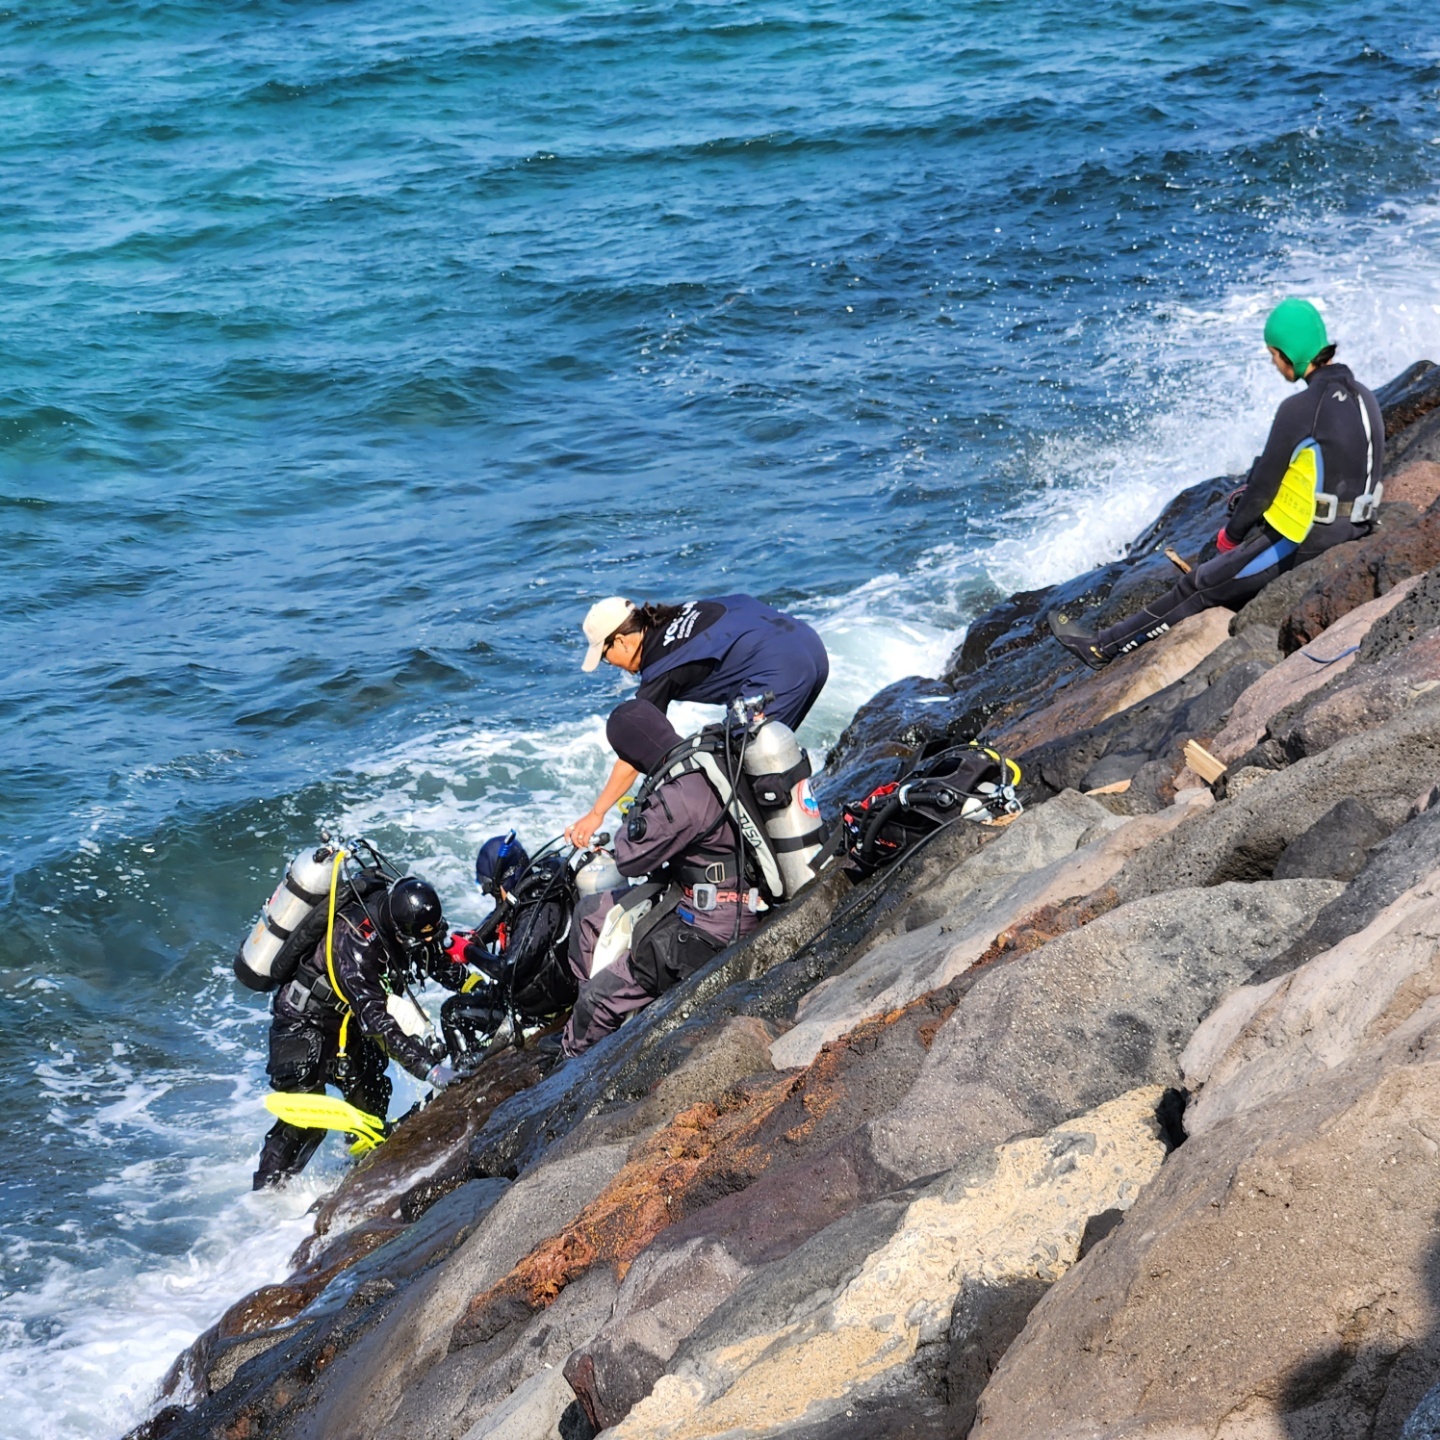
[456, 948]
[1223, 542]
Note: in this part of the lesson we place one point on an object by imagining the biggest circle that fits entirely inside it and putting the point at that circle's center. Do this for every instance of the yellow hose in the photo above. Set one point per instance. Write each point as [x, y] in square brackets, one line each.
[340, 856]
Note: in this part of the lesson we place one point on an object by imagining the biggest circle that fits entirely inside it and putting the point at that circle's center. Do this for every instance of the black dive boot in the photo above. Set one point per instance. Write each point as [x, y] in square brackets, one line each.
[1080, 643]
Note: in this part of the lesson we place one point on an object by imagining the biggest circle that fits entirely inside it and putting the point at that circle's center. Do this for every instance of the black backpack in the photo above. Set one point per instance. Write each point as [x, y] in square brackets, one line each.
[958, 782]
[537, 980]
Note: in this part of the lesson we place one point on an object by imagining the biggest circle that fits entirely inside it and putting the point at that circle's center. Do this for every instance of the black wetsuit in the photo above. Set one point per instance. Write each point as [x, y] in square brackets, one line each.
[1326, 412]
[305, 1033]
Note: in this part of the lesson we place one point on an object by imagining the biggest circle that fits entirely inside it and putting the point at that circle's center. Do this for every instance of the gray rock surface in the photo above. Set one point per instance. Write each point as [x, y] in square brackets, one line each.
[1391, 868]
[1242, 838]
[1086, 1018]
[947, 1281]
[1282, 1275]
[1024, 867]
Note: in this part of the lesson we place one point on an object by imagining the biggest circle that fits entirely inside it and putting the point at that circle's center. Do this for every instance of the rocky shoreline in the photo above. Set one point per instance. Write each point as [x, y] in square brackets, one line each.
[1120, 1120]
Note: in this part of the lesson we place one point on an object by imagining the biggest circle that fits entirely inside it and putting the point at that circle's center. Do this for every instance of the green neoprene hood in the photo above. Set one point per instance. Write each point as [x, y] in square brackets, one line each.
[1296, 330]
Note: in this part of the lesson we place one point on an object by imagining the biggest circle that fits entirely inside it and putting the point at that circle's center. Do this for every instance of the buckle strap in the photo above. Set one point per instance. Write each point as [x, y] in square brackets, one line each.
[716, 872]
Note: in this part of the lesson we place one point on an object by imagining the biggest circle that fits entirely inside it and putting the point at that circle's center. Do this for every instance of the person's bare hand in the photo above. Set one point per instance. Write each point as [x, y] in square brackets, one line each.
[578, 832]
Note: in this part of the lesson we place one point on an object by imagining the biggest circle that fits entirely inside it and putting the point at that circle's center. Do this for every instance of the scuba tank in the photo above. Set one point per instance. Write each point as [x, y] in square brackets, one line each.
[599, 872]
[305, 884]
[779, 772]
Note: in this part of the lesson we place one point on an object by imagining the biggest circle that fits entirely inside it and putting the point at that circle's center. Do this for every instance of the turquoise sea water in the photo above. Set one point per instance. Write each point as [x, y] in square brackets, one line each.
[348, 350]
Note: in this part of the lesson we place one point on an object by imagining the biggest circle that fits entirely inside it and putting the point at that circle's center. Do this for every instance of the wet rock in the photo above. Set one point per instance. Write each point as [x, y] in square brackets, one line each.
[1424, 1421]
[1409, 397]
[1008, 664]
[1420, 441]
[1242, 838]
[348, 1373]
[427, 1156]
[1378, 563]
[1300, 674]
[1335, 846]
[945, 1291]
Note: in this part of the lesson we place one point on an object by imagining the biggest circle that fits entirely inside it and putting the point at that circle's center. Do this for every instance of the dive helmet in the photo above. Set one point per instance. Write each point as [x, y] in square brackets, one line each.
[1295, 328]
[412, 910]
[499, 863]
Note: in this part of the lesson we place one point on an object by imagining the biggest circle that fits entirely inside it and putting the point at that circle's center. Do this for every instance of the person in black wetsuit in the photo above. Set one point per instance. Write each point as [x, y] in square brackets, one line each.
[711, 651]
[1316, 484]
[342, 1033]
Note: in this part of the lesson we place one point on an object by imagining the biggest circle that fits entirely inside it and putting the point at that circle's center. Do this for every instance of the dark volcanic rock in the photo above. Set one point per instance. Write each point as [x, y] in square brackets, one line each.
[1376, 564]
[1008, 665]
[1157, 727]
[1406, 399]
[1242, 838]
[1417, 614]
[1335, 846]
[1392, 867]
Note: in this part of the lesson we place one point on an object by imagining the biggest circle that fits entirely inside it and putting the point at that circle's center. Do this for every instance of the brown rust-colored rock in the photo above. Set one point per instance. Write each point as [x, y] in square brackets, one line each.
[1377, 564]
[669, 1177]
[712, 1150]
[1048, 922]
[1416, 484]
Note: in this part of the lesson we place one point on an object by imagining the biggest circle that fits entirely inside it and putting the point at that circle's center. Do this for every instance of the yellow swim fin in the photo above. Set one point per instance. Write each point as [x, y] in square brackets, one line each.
[324, 1112]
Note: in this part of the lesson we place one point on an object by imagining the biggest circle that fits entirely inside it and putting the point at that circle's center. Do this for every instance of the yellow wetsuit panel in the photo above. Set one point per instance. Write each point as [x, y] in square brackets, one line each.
[1292, 511]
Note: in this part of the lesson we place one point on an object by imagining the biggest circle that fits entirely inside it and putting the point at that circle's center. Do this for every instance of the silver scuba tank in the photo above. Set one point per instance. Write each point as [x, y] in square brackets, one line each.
[305, 884]
[599, 873]
[779, 772]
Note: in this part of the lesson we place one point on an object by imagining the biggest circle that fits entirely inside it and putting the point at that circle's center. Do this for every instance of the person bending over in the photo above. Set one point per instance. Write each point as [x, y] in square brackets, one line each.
[679, 835]
[1316, 484]
[711, 651]
[330, 1024]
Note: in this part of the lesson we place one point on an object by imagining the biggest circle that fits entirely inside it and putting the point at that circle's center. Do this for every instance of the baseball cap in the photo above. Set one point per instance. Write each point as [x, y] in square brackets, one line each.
[603, 619]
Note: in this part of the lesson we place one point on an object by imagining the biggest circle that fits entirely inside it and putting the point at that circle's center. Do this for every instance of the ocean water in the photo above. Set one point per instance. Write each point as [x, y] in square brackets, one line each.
[349, 350]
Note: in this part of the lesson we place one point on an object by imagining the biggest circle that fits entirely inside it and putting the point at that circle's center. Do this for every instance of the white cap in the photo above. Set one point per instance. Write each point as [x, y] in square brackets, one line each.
[604, 618]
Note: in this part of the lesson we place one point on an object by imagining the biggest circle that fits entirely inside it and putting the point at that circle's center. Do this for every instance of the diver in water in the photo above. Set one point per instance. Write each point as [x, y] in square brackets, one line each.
[711, 651]
[331, 1024]
[1316, 484]
[679, 834]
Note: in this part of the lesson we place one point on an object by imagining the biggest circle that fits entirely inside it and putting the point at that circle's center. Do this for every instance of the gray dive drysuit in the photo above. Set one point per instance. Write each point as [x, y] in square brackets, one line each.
[675, 834]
